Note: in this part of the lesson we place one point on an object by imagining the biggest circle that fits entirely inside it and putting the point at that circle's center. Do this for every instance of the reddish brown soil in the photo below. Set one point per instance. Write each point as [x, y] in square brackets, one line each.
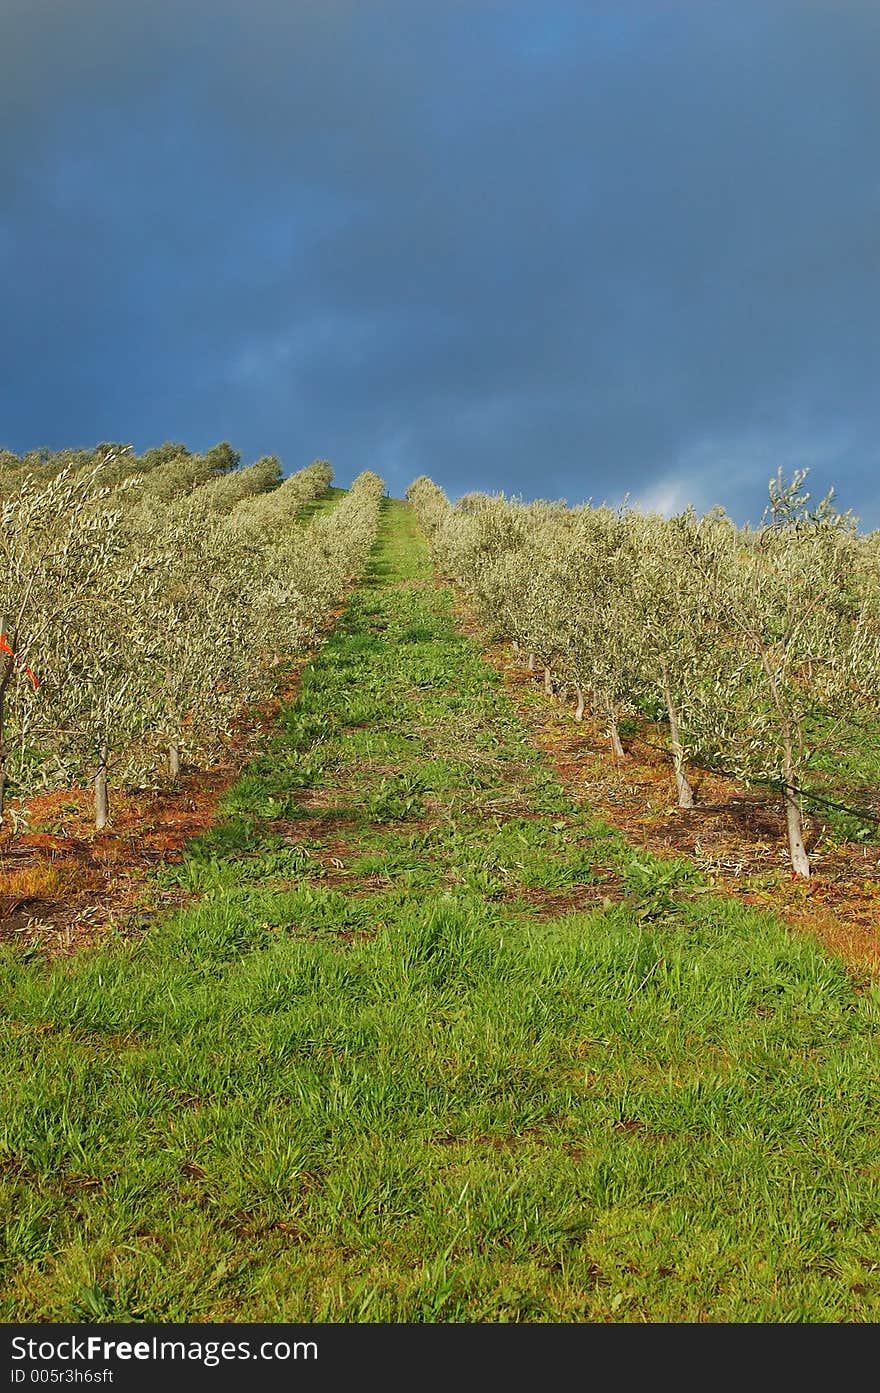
[736, 835]
[63, 885]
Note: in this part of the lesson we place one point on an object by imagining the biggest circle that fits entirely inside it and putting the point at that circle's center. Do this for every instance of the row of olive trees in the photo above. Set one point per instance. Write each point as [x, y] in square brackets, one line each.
[754, 645]
[260, 515]
[124, 644]
[118, 462]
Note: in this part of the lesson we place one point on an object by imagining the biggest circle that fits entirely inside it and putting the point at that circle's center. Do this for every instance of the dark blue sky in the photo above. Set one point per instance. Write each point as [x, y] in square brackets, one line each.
[563, 249]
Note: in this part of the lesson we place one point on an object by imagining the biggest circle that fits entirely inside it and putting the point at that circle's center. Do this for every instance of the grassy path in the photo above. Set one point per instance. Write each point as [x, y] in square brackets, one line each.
[427, 1043]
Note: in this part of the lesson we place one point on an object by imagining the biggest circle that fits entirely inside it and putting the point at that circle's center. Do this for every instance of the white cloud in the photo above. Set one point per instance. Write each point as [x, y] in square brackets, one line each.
[735, 470]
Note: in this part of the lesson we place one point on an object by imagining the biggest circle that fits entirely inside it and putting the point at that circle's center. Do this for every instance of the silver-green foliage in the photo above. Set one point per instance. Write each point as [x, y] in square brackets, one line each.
[153, 638]
[755, 645]
[254, 518]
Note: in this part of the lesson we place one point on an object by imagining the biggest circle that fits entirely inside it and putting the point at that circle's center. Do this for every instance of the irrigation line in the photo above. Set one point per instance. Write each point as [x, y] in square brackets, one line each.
[772, 783]
[861, 813]
[779, 787]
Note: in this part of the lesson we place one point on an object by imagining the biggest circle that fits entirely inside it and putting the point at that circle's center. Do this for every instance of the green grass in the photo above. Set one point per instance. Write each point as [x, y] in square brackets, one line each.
[359, 1077]
[846, 769]
[324, 504]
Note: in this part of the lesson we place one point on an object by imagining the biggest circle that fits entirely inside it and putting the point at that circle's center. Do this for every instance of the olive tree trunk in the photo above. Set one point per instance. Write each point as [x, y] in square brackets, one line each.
[102, 802]
[614, 733]
[794, 818]
[685, 792]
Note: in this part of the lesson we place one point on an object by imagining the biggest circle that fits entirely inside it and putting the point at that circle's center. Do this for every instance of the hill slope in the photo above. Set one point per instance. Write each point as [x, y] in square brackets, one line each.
[429, 1043]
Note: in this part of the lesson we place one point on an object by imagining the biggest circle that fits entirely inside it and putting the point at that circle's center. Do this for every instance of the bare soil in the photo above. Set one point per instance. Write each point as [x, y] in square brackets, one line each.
[63, 885]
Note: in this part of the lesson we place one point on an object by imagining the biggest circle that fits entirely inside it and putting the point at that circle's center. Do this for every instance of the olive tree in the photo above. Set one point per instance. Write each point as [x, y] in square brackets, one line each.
[602, 647]
[802, 638]
[58, 543]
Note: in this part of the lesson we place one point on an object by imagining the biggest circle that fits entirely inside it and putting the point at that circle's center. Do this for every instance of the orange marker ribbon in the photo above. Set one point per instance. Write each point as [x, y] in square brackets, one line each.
[5, 648]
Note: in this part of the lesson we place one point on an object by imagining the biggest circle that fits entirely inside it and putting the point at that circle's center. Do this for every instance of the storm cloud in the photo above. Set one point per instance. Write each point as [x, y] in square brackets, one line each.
[576, 250]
